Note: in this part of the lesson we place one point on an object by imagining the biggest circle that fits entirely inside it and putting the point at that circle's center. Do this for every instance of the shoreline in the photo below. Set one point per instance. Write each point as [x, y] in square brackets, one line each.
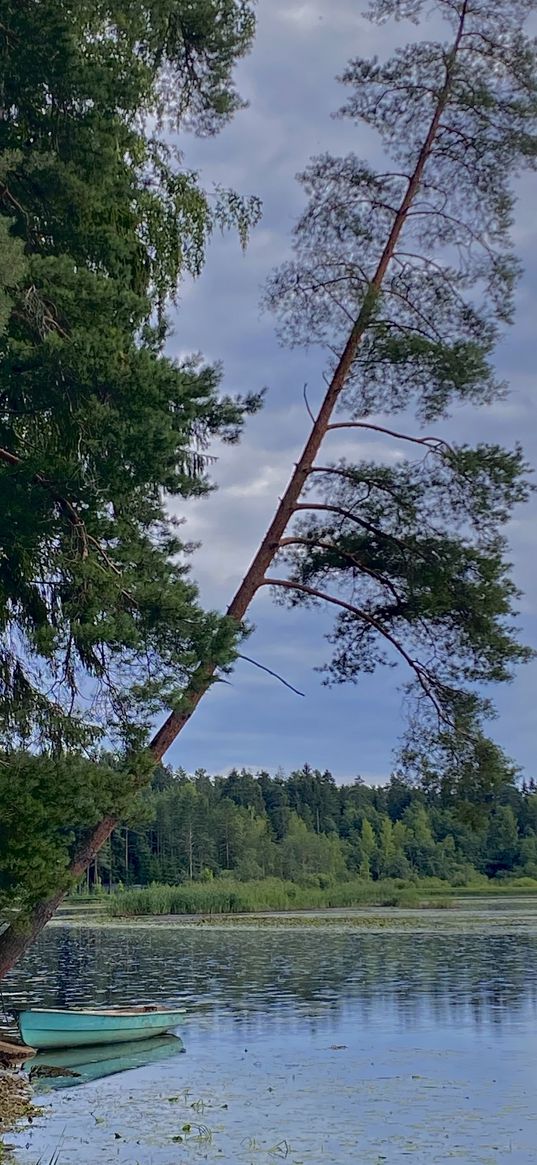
[462, 915]
[16, 1105]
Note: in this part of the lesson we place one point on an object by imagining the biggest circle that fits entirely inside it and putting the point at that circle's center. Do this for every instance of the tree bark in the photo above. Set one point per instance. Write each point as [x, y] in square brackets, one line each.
[15, 940]
[12, 946]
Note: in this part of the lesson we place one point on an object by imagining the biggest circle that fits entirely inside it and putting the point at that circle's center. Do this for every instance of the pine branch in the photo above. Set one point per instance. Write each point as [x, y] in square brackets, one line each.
[425, 680]
[64, 504]
[69, 510]
[352, 517]
[432, 444]
[349, 557]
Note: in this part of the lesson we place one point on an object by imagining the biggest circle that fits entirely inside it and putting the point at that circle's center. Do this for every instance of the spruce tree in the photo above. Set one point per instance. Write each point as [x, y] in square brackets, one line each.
[101, 626]
[100, 220]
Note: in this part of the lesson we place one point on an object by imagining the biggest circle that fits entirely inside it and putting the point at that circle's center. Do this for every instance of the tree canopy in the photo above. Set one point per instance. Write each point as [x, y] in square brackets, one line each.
[458, 824]
[409, 547]
[100, 220]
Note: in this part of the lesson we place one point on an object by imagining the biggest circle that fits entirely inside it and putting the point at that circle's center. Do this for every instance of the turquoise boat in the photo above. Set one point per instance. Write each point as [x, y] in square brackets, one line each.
[74, 1066]
[45, 1027]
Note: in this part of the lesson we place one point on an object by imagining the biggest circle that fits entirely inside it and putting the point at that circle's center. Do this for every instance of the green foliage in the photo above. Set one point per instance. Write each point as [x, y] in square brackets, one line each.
[12, 270]
[99, 221]
[417, 262]
[196, 836]
[304, 852]
[43, 801]
[502, 840]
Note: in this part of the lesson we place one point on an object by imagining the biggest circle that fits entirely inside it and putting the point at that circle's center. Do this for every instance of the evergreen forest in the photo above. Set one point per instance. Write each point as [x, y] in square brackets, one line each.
[304, 827]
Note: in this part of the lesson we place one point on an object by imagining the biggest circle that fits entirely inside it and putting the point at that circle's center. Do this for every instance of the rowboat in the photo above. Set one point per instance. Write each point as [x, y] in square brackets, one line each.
[69, 1067]
[45, 1027]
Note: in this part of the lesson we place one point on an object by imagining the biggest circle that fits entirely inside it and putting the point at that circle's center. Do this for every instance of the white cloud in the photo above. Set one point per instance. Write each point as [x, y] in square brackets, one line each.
[313, 16]
[303, 15]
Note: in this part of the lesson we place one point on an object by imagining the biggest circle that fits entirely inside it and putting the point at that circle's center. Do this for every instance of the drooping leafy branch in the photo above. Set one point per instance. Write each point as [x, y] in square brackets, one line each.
[100, 626]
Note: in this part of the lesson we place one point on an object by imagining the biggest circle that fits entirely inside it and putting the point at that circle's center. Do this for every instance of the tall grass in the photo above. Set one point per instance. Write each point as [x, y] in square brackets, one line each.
[227, 896]
[224, 896]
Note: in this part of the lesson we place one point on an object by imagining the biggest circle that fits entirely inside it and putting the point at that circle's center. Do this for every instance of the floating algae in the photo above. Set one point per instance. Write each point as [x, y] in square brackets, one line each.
[15, 1100]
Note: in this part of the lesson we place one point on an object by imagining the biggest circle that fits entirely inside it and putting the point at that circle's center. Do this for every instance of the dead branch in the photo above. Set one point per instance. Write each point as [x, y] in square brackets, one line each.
[262, 667]
[307, 403]
[433, 444]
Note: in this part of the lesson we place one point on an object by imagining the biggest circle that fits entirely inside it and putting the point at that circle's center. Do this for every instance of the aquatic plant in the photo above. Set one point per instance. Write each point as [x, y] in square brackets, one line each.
[224, 896]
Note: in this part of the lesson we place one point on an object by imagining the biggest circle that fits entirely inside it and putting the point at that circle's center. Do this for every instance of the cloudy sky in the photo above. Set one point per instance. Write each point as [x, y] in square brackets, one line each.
[289, 81]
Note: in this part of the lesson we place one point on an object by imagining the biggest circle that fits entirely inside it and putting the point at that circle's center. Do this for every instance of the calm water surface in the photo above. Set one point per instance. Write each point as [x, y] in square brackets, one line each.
[314, 1046]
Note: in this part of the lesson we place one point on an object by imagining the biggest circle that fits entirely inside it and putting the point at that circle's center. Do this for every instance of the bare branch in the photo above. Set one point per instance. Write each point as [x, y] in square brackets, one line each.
[348, 474]
[262, 667]
[434, 444]
[306, 401]
[6, 193]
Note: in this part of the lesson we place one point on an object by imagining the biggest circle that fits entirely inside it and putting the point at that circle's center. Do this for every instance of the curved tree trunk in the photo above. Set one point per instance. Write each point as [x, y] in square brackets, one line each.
[14, 940]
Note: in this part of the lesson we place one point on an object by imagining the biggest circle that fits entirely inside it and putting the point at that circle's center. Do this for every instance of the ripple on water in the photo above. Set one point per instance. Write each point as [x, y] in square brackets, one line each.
[324, 1046]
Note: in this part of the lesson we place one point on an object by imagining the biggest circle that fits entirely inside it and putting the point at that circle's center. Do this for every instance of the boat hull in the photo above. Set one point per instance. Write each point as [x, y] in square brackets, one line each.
[44, 1029]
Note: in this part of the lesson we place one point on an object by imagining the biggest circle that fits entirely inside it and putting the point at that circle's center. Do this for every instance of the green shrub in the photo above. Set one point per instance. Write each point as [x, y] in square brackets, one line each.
[523, 883]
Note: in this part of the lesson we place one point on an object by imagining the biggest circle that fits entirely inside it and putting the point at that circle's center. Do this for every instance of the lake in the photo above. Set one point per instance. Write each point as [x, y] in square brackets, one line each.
[408, 1039]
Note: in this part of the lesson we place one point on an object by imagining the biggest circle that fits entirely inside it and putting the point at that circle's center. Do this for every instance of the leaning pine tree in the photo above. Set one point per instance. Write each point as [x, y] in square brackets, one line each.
[406, 276]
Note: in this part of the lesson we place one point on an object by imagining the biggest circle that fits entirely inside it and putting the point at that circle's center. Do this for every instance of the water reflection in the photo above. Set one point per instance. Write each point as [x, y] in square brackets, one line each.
[324, 1045]
[72, 1066]
[236, 976]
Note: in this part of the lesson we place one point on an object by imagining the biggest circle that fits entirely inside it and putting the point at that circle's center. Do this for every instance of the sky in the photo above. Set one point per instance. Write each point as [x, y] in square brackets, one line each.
[289, 82]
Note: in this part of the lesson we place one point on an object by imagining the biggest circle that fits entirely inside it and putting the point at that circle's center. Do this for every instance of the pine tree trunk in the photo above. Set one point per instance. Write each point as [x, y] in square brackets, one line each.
[11, 949]
[14, 941]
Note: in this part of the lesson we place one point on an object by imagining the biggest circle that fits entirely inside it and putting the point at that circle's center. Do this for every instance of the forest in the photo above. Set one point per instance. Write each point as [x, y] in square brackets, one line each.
[304, 827]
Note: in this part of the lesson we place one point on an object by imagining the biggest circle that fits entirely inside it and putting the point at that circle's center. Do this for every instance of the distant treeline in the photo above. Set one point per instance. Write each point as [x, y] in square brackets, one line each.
[303, 827]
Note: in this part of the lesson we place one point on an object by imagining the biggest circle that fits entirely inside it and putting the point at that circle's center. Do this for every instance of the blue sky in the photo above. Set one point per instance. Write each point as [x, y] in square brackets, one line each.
[289, 81]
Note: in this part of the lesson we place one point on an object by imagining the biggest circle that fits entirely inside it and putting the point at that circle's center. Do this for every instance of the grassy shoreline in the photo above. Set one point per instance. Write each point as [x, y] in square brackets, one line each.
[226, 897]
